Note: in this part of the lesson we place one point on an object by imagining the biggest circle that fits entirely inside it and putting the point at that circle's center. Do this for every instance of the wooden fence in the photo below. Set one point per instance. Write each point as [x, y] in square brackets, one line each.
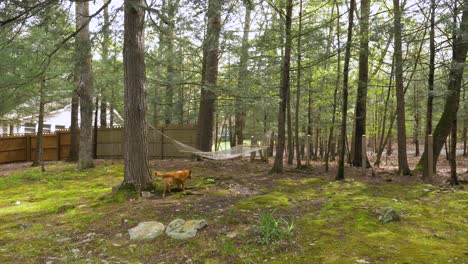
[109, 144]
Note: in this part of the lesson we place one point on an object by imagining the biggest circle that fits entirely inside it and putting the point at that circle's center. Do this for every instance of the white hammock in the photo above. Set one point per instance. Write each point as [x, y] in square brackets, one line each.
[259, 143]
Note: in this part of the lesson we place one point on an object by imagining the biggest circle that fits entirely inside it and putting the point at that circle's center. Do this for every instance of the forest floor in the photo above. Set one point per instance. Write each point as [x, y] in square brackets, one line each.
[302, 216]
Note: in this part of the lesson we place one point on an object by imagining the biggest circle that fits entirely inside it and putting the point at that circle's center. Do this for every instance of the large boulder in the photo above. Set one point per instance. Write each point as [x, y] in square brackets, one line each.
[181, 229]
[146, 230]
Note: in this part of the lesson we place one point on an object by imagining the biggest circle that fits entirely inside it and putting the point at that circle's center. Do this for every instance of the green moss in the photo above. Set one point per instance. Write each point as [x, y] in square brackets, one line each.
[270, 200]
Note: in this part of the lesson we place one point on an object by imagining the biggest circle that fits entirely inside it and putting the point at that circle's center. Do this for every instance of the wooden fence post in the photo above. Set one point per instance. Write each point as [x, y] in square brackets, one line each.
[57, 133]
[364, 155]
[28, 147]
[430, 156]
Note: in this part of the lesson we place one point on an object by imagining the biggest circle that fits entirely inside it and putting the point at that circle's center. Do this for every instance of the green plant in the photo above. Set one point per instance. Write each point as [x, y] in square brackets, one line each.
[271, 229]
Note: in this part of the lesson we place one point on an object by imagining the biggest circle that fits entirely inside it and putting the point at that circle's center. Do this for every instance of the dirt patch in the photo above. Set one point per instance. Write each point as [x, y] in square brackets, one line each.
[6, 169]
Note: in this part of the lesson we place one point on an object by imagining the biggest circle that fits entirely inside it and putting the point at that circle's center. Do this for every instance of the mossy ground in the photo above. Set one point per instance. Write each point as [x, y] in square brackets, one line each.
[70, 216]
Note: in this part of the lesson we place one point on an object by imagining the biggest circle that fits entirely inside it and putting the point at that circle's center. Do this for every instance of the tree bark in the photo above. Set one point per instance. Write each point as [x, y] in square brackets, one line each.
[453, 154]
[136, 172]
[344, 108]
[95, 128]
[430, 87]
[416, 121]
[284, 91]
[172, 7]
[403, 167]
[105, 59]
[85, 158]
[243, 74]
[158, 82]
[331, 142]
[382, 140]
[208, 96]
[361, 100]
[290, 144]
[298, 92]
[449, 115]
[75, 105]
[39, 155]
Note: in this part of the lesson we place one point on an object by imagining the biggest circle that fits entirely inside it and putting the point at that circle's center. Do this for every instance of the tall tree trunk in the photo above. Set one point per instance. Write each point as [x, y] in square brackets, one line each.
[465, 123]
[416, 121]
[243, 74]
[157, 84]
[208, 96]
[95, 128]
[39, 155]
[430, 88]
[383, 140]
[344, 108]
[136, 172]
[179, 107]
[449, 115]
[361, 99]
[298, 92]
[290, 144]
[331, 142]
[105, 59]
[453, 154]
[309, 118]
[85, 158]
[75, 105]
[284, 91]
[172, 7]
[403, 167]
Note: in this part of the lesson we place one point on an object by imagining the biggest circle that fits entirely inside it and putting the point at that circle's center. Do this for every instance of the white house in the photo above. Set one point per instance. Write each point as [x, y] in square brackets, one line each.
[54, 120]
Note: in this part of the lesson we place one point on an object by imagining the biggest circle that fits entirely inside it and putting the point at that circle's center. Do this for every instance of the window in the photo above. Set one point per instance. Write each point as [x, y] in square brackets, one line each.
[46, 128]
[57, 127]
[29, 128]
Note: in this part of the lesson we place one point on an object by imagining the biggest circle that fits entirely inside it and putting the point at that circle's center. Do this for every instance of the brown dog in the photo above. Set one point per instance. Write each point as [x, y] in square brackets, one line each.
[178, 177]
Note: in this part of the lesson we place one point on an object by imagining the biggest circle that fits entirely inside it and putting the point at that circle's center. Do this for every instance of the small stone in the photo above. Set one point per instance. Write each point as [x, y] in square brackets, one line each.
[232, 234]
[146, 230]
[362, 261]
[18, 203]
[116, 245]
[145, 194]
[91, 235]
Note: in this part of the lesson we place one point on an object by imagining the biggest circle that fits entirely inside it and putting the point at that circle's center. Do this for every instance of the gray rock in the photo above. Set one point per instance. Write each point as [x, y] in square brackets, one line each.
[146, 230]
[145, 194]
[181, 229]
[388, 214]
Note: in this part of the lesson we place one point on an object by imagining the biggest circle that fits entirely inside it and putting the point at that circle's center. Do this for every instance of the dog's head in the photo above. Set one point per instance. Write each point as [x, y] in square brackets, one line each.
[189, 174]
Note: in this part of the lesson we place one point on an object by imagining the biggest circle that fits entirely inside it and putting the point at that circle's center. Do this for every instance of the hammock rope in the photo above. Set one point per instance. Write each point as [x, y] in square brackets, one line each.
[257, 143]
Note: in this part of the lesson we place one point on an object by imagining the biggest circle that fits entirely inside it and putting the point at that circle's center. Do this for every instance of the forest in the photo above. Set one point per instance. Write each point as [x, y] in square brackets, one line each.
[323, 131]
